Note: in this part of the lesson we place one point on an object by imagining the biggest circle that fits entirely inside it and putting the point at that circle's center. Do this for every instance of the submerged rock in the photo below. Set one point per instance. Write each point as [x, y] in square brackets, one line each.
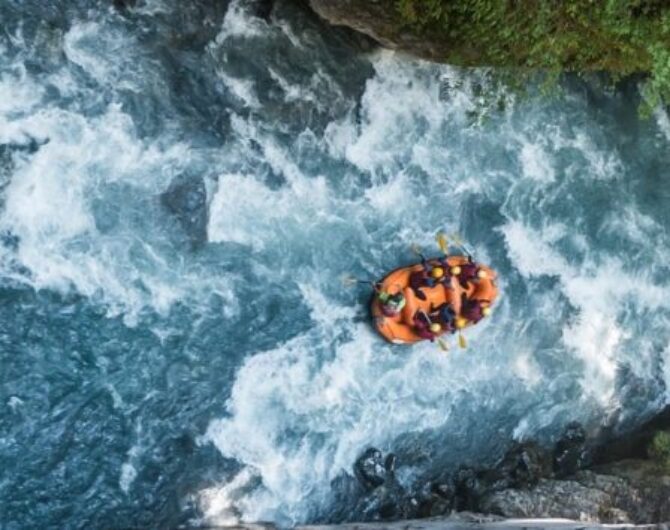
[262, 8]
[186, 199]
[122, 5]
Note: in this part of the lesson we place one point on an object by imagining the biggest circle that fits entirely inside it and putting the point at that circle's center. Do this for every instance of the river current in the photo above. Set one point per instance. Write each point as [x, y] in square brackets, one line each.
[184, 184]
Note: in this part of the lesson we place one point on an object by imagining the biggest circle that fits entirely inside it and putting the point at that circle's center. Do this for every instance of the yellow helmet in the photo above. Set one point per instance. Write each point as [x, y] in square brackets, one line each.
[437, 272]
[461, 322]
[455, 270]
[486, 311]
[435, 327]
[481, 273]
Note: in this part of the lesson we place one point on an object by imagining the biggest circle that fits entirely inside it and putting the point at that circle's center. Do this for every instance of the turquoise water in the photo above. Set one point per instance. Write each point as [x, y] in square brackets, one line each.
[182, 188]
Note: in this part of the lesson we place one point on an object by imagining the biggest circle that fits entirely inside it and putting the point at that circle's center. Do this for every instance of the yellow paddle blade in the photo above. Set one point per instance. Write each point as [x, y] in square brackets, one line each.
[441, 239]
[461, 341]
[443, 345]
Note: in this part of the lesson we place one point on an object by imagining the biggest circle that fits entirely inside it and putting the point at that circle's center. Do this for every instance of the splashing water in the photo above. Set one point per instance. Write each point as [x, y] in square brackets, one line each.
[184, 186]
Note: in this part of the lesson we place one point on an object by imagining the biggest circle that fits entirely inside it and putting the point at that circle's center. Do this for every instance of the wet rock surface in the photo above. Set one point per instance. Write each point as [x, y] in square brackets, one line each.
[529, 481]
[570, 452]
[378, 19]
[370, 469]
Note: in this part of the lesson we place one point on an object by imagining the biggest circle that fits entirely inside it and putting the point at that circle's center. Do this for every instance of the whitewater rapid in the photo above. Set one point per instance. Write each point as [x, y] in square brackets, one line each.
[192, 355]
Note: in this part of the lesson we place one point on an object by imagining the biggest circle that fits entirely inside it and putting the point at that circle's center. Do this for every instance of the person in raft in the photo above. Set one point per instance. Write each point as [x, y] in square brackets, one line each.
[468, 272]
[425, 327]
[391, 304]
[474, 310]
[430, 276]
[446, 317]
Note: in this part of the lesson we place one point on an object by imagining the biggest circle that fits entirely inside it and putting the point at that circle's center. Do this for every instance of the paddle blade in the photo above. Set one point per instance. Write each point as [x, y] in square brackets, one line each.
[461, 341]
[443, 345]
[348, 281]
[441, 239]
[416, 249]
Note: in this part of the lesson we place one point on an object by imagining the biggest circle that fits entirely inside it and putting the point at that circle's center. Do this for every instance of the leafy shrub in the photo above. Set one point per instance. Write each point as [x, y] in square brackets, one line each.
[659, 448]
[618, 36]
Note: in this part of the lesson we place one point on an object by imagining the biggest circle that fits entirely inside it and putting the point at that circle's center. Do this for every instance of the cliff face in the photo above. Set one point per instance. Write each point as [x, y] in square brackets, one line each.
[380, 20]
[571, 35]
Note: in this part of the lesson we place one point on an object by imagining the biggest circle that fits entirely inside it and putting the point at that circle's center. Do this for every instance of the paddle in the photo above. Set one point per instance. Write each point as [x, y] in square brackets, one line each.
[442, 242]
[350, 281]
[461, 340]
[417, 250]
[456, 239]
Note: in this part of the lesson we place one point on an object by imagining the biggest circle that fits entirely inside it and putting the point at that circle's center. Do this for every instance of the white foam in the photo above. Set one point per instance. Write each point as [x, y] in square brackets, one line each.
[49, 207]
[527, 368]
[152, 7]
[598, 293]
[107, 54]
[536, 164]
[238, 23]
[663, 121]
[18, 93]
[222, 505]
[128, 476]
[14, 402]
[128, 470]
[391, 103]
[235, 211]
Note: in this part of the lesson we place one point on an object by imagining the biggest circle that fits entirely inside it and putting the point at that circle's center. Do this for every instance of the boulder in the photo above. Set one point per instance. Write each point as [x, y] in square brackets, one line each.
[371, 468]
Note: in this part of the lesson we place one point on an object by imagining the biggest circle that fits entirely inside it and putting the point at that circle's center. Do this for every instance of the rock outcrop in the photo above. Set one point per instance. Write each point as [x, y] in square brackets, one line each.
[378, 19]
[531, 481]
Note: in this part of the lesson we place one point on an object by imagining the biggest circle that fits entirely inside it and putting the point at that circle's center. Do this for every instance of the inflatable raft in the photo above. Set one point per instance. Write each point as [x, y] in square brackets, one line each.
[436, 297]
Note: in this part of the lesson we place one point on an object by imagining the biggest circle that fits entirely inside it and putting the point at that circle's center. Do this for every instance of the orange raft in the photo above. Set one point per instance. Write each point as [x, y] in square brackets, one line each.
[454, 290]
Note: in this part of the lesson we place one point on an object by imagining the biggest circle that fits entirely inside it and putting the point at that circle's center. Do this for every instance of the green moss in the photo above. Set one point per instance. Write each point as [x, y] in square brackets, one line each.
[618, 36]
[659, 449]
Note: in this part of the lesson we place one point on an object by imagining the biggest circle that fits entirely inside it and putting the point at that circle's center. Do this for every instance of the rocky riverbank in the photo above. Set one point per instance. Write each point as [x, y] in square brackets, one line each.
[597, 480]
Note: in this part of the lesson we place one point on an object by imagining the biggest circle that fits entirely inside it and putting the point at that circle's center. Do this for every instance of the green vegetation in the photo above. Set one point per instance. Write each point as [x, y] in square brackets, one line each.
[617, 36]
[659, 449]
